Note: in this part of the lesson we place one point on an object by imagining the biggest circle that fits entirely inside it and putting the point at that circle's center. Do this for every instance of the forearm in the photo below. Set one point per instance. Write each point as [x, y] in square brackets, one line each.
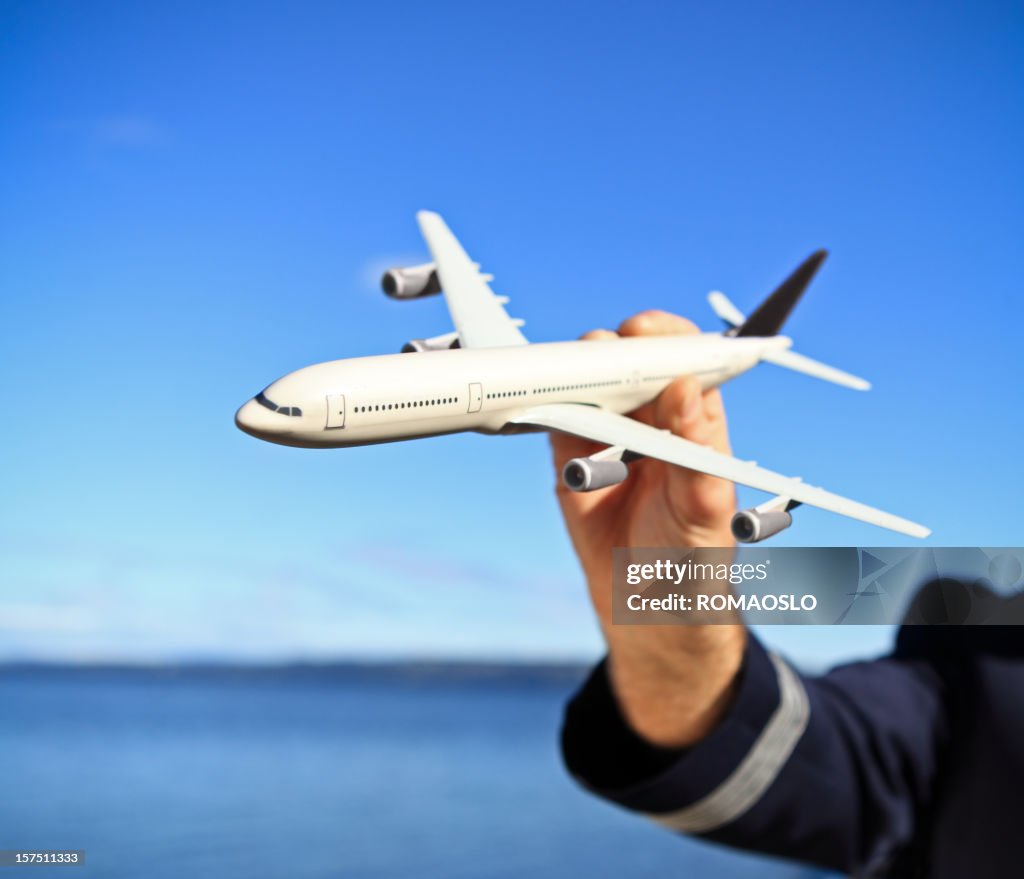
[673, 682]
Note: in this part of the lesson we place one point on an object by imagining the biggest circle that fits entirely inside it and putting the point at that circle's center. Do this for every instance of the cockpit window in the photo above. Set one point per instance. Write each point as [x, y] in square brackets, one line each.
[261, 398]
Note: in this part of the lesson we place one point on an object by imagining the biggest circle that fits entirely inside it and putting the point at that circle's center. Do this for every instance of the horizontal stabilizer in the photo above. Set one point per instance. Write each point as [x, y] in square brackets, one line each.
[816, 369]
[722, 306]
[733, 317]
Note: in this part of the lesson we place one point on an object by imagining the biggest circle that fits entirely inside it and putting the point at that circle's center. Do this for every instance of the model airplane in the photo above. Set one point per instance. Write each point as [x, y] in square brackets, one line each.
[486, 377]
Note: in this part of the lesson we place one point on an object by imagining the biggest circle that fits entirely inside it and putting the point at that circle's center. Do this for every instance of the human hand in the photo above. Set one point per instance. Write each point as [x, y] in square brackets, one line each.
[659, 504]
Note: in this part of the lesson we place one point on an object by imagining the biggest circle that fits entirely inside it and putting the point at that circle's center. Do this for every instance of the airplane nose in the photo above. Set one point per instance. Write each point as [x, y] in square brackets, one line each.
[249, 418]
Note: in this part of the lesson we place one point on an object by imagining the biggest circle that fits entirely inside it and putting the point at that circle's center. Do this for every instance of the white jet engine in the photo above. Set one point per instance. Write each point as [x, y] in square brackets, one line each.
[764, 521]
[434, 343]
[608, 467]
[412, 282]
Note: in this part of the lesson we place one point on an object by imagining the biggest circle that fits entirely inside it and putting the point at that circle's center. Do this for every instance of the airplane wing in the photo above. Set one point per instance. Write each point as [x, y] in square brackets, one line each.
[479, 316]
[606, 427]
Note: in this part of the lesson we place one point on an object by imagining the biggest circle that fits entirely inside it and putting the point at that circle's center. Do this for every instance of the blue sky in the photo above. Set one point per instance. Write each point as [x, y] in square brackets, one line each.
[198, 197]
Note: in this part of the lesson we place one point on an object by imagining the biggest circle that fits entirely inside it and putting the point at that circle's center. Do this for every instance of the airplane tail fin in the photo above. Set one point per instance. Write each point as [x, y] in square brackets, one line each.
[770, 316]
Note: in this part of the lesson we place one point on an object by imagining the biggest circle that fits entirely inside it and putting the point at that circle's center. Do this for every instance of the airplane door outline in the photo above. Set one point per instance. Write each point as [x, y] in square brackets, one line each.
[476, 397]
[335, 411]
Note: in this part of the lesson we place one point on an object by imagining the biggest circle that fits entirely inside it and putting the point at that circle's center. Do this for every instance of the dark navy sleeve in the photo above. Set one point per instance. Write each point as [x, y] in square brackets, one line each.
[836, 770]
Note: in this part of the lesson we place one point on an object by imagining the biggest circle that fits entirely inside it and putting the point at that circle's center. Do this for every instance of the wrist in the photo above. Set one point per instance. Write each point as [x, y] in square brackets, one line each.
[674, 683]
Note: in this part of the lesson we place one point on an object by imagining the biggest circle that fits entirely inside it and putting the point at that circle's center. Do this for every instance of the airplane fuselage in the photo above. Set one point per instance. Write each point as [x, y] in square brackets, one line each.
[393, 397]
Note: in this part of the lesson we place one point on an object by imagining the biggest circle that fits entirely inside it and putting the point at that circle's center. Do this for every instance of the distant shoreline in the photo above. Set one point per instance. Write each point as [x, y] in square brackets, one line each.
[454, 671]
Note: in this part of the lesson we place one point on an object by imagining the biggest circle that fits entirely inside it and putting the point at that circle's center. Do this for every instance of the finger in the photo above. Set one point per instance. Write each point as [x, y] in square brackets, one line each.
[680, 408]
[645, 414]
[718, 427]
[683, 409]
[657, 323]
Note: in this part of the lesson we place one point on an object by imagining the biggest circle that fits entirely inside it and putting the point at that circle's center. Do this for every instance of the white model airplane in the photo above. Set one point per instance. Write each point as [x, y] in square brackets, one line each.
[486, 377]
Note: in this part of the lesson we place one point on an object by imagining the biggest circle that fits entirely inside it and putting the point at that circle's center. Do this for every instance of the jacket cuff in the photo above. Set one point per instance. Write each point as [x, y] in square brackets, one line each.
[608, 758]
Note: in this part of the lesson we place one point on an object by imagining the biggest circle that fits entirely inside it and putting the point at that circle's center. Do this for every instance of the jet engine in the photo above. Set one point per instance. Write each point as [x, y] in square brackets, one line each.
[412, 282]
[590, 474]
[760, 523]
[435, 343]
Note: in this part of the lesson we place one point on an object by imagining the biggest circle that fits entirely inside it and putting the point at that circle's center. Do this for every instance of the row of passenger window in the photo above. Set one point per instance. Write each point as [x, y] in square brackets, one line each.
[502, 394]
[414, 404]
[579, 387]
